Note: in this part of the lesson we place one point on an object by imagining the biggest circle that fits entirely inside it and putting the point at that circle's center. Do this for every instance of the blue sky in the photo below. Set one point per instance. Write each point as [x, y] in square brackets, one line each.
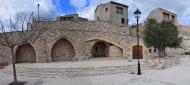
[85, 8]
[64, 6]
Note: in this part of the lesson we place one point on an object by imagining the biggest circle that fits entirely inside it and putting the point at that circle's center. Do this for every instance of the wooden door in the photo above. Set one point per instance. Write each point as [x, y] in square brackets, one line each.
[137, 55]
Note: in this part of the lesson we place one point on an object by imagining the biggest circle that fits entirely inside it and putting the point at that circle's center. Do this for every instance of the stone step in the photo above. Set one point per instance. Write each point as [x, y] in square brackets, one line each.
[89, 71]
[72, 72]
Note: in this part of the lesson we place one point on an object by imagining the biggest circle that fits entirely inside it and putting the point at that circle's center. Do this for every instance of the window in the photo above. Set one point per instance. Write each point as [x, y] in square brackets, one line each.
[166, 16]
[173, 19]
[106, 9]
[155, 50]
[150, 50]
[122, 21]
[69, 18]
[119, 10]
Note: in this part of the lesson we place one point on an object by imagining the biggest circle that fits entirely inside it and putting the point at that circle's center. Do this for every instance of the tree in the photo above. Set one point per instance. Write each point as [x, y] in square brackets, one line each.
[18, 33]
[161, 35]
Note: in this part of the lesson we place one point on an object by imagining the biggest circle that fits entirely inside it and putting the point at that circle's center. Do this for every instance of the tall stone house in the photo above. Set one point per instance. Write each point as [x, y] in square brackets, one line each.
[161, 14]
[73, 38]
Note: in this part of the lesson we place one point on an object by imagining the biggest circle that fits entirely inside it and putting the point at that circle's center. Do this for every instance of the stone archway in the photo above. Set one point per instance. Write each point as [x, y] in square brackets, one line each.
[99, 49]
[62, 50]
[137, 52]
[25, 54]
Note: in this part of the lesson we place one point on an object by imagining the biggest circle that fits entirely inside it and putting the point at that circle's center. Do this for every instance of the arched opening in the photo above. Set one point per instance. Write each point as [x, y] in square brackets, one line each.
[62, 50]
[99, 49]
[137, 52]
[25, 54]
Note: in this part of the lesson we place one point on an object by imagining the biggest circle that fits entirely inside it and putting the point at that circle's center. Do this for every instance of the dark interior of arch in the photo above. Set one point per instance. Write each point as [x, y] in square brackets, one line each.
[25, 54]
[100, 49]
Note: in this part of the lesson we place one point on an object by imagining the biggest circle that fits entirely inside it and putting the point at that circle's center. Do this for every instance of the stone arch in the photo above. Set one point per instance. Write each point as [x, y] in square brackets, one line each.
[105, 40]
[99, 49]
[62, 50]
[25, 54]
[109, 49]
[137, 52]
[68, 38]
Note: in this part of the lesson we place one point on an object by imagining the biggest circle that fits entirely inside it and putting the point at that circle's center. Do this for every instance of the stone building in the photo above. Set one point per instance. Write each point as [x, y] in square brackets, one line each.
[72, 38]
[113, 12]
[160, 14]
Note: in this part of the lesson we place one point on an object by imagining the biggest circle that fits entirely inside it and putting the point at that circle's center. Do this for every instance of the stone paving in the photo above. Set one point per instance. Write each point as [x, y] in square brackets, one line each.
[59, 70]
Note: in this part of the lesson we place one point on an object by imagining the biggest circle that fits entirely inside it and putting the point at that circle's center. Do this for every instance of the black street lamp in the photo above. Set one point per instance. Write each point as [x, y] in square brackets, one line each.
[137, 14]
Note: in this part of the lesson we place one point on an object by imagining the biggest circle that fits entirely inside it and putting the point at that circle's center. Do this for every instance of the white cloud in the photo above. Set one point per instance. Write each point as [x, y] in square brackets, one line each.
[78, 3]
[25, 7]
[88, 12]
[185, 16]
[86, 8]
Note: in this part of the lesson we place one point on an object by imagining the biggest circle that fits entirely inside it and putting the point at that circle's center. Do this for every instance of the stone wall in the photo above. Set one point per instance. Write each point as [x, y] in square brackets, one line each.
[185, 33]
[115, 51]
[103, 12]
[82, 36]
[185, 44]
[5, 55]
[162, 63]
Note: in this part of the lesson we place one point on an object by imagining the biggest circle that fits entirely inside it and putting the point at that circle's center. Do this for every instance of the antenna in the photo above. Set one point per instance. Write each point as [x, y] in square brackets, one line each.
[38, 11]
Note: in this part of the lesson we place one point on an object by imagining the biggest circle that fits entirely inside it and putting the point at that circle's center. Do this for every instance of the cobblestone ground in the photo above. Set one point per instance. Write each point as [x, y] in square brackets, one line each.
[177, 75]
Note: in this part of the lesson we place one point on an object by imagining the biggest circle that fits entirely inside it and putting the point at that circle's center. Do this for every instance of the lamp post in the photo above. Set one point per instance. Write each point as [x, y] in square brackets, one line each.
[137, 14]
[38, 11]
